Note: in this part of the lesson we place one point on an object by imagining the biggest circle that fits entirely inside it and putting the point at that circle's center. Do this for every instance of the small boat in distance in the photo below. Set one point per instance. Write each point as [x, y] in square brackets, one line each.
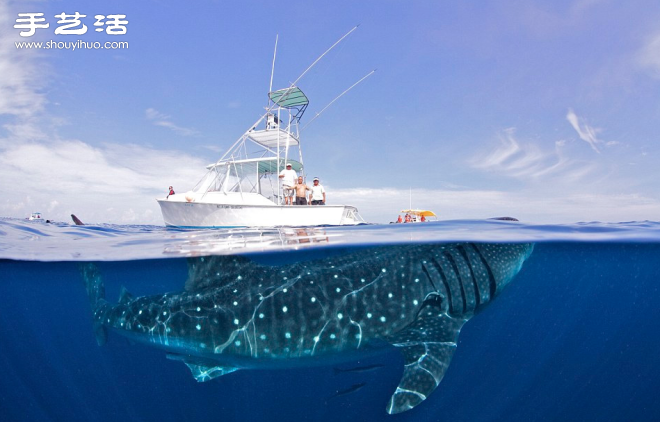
[242, 189]
[418, 216]
[36, 216]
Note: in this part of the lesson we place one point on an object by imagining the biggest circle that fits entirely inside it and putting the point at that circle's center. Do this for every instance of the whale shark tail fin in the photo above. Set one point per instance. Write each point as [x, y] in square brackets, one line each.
[96, 294]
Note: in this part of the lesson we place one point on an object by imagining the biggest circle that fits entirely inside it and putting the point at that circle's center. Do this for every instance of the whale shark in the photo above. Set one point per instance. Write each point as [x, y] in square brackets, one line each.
[239, 312]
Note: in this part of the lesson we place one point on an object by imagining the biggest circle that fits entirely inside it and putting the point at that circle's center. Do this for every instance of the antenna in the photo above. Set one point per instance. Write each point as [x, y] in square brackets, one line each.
[338, 97]
[272, 71]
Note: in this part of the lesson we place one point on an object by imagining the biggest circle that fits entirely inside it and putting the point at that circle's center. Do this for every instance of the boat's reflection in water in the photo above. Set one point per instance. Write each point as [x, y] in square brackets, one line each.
[221, 242]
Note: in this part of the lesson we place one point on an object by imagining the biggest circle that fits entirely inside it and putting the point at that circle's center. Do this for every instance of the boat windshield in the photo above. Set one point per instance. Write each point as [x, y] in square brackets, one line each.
[245, 176]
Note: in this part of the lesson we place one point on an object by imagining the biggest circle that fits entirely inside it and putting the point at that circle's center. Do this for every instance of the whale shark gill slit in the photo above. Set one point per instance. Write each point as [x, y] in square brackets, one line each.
[470, 268]
[235, 312]
[491, 277]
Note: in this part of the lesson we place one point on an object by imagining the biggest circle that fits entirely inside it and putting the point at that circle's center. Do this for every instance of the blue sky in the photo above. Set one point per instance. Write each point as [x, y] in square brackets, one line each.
[546, 112]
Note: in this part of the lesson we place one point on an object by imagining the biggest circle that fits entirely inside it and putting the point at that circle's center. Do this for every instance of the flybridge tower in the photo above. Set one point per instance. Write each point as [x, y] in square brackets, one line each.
[242, 188]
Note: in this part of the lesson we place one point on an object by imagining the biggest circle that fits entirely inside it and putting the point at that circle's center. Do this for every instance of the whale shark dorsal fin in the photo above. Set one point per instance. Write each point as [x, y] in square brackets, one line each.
[124, 296]
[427, 345]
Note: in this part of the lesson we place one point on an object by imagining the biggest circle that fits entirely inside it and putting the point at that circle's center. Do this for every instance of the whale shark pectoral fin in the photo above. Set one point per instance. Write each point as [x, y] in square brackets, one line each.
[202, 369]
[427, 345]
[207, 373]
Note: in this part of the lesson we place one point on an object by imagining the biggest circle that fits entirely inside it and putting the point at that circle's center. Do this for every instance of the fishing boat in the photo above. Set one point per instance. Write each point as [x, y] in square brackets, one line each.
[36, 216]
[420, 216]
[242, 189]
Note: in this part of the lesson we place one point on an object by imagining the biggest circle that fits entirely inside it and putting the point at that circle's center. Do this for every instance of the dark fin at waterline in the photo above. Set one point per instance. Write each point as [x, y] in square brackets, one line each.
[427, 345]
[504, 218]
[77, 220]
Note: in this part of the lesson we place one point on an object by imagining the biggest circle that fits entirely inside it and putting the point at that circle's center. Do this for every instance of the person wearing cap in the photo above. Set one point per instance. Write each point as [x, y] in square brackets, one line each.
[317, 197]
[171, 192]
[301, 192]
[288, 177]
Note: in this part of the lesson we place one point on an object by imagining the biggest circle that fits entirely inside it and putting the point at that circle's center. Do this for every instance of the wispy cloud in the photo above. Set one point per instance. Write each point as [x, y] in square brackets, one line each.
[649, 55]
[21, 80]
[584, 131]
[528, 161]
[160, 119]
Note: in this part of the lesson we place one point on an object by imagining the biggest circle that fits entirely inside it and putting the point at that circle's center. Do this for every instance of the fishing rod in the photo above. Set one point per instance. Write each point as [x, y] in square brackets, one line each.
[338, 97]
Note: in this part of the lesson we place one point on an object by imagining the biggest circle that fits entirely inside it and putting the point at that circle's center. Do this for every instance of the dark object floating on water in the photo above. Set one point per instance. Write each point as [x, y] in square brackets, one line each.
[504, 218]
[77, 220]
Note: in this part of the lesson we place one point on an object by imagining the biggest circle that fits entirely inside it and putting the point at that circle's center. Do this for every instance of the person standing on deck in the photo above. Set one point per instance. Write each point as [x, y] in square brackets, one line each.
[317, 197]
[288, 177]
[301, 192]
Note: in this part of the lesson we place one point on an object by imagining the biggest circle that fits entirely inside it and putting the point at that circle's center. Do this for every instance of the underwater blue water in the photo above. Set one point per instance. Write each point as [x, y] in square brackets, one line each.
[575, 336]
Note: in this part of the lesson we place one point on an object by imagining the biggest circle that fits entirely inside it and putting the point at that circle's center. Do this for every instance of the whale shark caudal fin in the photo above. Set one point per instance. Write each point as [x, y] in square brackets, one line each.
[427, 346]
[96, 294]
[202, 371]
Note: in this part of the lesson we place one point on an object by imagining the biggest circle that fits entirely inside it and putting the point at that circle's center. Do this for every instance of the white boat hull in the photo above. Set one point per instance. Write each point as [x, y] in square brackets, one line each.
[204, 214]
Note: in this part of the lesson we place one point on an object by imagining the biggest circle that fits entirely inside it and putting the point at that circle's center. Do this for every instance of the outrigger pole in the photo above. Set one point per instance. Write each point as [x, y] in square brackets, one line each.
[338, 97]
[290, 87]
[272, 71]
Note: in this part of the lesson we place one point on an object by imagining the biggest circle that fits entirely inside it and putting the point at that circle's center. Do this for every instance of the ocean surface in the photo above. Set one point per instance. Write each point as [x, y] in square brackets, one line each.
[574, 336]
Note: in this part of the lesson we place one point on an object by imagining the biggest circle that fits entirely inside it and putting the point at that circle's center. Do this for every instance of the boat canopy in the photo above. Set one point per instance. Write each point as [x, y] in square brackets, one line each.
[264, 165]
[290, 98]
[425, 213]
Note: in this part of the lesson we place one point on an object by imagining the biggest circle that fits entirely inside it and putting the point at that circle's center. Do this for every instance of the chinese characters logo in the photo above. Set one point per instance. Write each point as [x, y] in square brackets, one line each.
[70, 24]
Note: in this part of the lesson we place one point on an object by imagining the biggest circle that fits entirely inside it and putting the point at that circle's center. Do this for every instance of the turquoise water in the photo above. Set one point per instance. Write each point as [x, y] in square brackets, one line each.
[574, 335]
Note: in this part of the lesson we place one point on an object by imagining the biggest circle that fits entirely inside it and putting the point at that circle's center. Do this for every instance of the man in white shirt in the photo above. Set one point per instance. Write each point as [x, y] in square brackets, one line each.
[288, 177]
[317, 197]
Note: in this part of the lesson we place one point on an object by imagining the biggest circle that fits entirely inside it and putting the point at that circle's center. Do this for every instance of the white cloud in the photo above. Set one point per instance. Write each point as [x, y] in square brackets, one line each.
[537, 206]
[160, 119]
[649, 55]
[21, 80]
[585, 132]
[114, 183]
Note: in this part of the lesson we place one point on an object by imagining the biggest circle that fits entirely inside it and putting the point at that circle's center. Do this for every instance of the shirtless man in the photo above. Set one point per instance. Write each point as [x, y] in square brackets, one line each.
[301, 192]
